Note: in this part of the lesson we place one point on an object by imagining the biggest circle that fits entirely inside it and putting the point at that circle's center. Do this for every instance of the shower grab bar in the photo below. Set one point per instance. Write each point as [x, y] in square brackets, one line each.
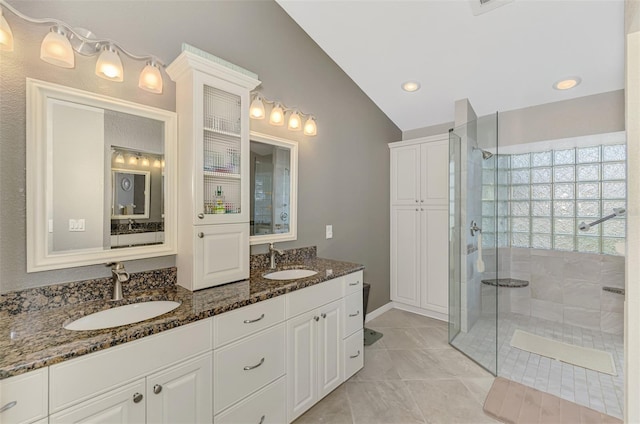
[616, 212]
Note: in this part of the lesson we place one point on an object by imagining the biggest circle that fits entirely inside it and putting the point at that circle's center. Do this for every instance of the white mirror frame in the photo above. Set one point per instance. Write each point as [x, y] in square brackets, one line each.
[293, 189]
[147, 184]
[38, 138]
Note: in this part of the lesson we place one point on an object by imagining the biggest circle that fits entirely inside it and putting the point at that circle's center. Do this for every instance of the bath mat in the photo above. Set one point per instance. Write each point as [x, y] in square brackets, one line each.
[515, 403]
[593, 359]
[371, 336]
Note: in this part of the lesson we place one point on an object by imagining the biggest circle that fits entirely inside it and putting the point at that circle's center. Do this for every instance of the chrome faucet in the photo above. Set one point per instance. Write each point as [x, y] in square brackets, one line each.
[272, 255]
[120, 275]
[131, 222]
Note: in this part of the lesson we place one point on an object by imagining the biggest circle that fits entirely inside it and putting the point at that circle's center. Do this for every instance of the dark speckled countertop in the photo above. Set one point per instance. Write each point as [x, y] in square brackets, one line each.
[32, 338]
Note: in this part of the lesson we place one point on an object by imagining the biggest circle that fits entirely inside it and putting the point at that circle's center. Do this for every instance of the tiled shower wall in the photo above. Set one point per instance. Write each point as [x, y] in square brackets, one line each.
[565, 287]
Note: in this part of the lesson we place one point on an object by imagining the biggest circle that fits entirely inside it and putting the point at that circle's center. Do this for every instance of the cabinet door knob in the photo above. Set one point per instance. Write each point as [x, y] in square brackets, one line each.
[323, 315]
[137, 398]
[421, 201]
[354, 356]
[201, 215]
[262, 419]
[157, 389]
[416, 209]
[355, 315]
[422, 209]
[316, 318]
[201, 235]
[249, 321]
[8, 406]
[251, 367]
[416, 200]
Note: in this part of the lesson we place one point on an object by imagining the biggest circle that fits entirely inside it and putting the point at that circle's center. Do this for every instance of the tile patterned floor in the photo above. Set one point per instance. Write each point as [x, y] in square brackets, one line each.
[595, 390]
[411, 375]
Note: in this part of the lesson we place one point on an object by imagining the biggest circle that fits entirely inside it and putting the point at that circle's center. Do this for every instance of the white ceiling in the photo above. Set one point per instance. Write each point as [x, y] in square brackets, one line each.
[505, 59]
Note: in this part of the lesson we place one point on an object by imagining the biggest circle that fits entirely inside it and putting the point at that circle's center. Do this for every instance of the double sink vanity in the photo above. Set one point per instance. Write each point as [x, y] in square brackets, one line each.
[260, 350]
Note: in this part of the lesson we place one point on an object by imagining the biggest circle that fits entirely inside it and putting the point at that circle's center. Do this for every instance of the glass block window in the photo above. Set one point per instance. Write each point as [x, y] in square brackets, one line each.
[541, 198]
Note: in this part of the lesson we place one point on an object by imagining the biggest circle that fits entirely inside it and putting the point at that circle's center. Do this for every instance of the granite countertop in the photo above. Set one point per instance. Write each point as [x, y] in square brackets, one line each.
[32, 338]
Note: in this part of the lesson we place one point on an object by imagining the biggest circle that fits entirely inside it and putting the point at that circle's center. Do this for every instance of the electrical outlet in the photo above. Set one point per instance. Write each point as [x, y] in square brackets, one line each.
[329, 231]
[76, 225]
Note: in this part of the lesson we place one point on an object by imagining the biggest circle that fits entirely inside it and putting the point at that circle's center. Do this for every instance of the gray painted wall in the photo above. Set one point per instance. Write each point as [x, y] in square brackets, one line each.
[344, 171]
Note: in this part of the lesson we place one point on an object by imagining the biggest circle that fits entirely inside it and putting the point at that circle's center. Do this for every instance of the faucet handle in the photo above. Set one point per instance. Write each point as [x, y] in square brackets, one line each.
[115, 265]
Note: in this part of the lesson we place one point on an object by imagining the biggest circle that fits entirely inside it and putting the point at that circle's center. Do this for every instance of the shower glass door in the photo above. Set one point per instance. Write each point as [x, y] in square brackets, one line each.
[474, 176]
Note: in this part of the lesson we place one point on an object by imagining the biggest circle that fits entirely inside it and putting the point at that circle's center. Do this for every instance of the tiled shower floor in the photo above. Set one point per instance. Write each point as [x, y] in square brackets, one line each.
[595, 390]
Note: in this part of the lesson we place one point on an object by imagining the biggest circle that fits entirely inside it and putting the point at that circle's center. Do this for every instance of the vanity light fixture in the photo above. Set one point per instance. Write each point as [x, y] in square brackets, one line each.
[156, 163]
[277, 115]
[109, 65]
[119, 158]
[56, 49]
[62, 42]
[278, 112]
[256, 110]
[145, 161]
[411, 86]
[295, 123]
[567, 83]
[6, 36]
[150, 78]
[133, 160]
[310, 127]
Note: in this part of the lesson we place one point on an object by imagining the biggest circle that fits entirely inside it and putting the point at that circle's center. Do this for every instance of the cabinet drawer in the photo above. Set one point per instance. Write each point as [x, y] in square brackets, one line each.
[29, 392]
[109, 368]
[353, 313]
[269, 403]
[353, 354]
[354, 282]
[123, 405]
[245, 366]
[301, 301]
[234, 325]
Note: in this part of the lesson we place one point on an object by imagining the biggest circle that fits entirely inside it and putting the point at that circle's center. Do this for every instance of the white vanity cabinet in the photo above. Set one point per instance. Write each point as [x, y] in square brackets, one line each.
[24, 398]
[212, 101]
[419, 225]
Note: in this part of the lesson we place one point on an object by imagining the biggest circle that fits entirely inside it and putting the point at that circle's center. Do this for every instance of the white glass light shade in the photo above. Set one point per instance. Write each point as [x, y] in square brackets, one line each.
[133, 160]
[156, 163]
[56, 50]
[277, 115]
[310, 127]
[6, 36]
[119, 158]
[151, 79]
[256, 110]
[295, 123]
[145, 161]
[109, 65]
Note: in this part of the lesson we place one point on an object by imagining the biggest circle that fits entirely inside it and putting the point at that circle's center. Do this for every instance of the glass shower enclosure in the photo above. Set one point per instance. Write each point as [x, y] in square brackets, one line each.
[475, 171]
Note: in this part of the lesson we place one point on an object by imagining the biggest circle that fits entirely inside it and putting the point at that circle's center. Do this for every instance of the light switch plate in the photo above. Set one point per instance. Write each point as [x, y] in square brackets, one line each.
[76, 225]
[329, 231]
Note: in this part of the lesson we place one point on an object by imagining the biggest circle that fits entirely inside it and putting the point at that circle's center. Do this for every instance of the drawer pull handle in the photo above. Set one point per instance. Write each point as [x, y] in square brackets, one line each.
[201, 215]
[354, 315]
[358, 282]
[250, 321]
[262, 419]
[137, 398]
[323, 315]
[251, 367]
[157, 389]
[9, 406]
[354, 356]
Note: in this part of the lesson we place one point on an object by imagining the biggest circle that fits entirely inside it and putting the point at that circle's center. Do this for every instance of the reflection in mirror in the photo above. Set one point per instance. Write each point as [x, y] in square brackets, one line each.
[273, 188]
[96, 169]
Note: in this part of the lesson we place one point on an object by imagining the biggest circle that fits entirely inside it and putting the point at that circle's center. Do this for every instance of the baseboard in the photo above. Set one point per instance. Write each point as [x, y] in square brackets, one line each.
[420, 311]
[381, 310]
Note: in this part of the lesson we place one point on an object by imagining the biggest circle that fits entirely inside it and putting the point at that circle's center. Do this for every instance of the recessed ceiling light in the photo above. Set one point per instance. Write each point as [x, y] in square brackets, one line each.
[566, 84]
[411, 86]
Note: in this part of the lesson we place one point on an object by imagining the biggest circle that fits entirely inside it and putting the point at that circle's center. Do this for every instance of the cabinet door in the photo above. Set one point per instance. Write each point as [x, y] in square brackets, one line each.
[434, 183]
[182, 394]
[302, 369]
[330, 356]
[405, 175]
[435, 259]
[24, 398]
[221, 254]
[123, 405]
[405, 254]
[221, 133]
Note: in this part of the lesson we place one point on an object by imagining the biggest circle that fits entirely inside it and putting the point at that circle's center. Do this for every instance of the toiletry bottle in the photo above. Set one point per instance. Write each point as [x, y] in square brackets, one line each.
[219, 202]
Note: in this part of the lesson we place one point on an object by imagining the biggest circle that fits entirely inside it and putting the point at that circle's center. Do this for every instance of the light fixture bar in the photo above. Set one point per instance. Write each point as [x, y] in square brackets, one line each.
[278, 112]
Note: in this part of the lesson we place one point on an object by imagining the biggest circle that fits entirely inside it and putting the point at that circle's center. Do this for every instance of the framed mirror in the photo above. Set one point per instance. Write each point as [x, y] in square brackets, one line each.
[273, 189]
[101, 178]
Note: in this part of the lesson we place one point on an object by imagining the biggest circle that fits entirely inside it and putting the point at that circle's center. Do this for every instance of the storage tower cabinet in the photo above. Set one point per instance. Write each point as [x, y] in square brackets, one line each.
[212, 102]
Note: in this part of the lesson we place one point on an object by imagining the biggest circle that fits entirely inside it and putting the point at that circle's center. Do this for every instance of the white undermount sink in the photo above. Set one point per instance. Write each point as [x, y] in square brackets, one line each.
[122, 315]
[290, 274]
